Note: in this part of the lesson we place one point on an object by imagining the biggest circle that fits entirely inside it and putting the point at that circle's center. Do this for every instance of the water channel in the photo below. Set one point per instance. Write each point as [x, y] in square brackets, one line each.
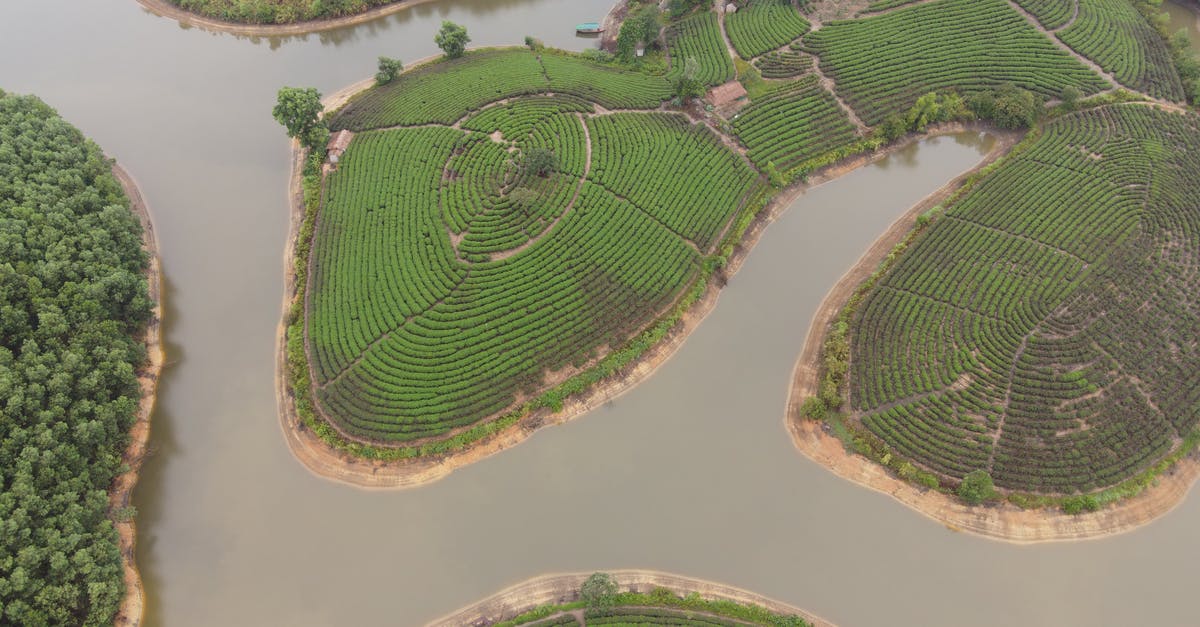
[692, 472]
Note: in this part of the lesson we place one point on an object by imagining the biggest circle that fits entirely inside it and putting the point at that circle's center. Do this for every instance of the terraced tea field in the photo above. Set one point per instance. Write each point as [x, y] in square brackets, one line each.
[784, 64]
[448, 90]
[1116, 36]
[450, 284]
[1052, 14]
[764, 25]
[1046, 329]
[794, 122]
[883, 63]
[699, 37]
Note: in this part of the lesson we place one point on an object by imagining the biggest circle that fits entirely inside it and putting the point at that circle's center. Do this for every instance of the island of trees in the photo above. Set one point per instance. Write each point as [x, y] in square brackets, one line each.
[511, 228]
[627, 598]
[278, 11]
[74, 310]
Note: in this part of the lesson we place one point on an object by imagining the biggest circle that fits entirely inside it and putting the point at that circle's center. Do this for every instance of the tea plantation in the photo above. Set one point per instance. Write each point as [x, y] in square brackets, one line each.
[1045, 329]
[450, 282]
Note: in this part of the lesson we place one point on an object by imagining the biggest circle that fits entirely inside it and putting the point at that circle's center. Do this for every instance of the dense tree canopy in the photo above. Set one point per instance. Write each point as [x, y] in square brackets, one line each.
[73, 300]
[278, 11]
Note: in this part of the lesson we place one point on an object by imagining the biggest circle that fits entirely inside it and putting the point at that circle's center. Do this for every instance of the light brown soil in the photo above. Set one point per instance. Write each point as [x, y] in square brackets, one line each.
[1000, 522]
[133, 604]
[187, 18]
[564, 588]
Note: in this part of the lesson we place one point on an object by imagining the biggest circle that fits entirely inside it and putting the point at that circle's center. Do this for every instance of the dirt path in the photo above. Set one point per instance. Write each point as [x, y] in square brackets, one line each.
[830, 86]
[1029, 17]
[564, 588]
[720, 8]
[166, 9]
[1071, 21]
[133, 603]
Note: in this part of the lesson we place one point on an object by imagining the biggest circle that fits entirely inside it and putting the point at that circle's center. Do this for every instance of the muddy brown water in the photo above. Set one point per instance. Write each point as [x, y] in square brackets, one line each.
[1185, 16]
[693, 472]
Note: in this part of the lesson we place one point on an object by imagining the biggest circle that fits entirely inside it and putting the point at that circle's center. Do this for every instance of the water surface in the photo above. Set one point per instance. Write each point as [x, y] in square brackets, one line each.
[693, 472]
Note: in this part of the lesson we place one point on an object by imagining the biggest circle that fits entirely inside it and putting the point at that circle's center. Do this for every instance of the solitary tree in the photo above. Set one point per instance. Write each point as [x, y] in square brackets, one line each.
[599, 592]
[452, 39]
[976, 487]
[1071, 96]
[687, 86]
[299, 109]
[539, 161]
[388, 69]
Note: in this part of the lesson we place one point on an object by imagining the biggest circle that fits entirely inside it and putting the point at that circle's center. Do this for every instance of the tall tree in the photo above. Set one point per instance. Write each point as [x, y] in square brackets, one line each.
[452, 39]
[599, 592]
[388, 69]
[299, 111]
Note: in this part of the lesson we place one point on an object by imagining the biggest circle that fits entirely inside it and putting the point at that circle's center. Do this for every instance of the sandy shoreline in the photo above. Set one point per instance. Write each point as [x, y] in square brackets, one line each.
[564, 588]
[133, 603]
[163, 8]
[1005, 522]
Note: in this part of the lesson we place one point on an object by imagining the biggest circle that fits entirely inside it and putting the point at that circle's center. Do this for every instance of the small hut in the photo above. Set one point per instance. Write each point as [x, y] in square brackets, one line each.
[727, 98]
[337, 145]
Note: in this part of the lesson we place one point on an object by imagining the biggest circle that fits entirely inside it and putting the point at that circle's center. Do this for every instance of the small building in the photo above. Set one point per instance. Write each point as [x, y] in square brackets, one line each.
[337, 145]
[727, 98]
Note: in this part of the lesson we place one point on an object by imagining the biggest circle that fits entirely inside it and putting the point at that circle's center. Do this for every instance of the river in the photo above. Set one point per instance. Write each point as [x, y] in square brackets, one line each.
[692, 472]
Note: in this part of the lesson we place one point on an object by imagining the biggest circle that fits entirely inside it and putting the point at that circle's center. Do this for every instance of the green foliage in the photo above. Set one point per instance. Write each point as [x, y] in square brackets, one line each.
[979, 347]
[883, 63]
[1008, 106]
[774, 176]
[751, 79]
[686, 85]
[277, 11]
[764, 25]
[933, 108]
[1078, 504]
[452, 39]
[813, 408]
[1187, 64]
[677, 8]
[539, 161]
[599, 592]
[1070, 97]
[73, 303]
[976, 487]
[388, 69]
[299, 110]
[640, 28]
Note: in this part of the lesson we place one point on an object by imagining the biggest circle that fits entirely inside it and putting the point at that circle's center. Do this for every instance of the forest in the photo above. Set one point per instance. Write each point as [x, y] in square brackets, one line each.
[73, 303]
